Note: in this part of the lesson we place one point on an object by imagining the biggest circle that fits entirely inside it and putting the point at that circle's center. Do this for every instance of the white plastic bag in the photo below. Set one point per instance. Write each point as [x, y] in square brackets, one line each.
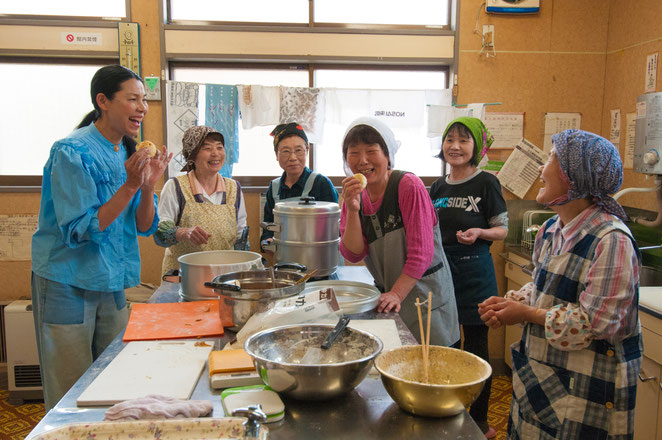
[318, 306]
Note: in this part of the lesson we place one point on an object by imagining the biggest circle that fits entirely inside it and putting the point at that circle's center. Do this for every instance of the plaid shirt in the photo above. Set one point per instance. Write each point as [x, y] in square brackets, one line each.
[584, 392]
[607, 305]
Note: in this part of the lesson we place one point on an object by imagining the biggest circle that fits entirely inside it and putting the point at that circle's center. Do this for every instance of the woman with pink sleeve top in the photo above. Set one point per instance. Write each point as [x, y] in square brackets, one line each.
[391, 224]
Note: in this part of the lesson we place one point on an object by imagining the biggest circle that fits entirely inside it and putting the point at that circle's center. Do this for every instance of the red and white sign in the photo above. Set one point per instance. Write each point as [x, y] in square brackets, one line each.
[81, 38]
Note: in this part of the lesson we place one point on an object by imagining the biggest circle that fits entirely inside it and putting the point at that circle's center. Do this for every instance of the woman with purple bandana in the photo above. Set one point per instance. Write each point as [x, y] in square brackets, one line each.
[575, 369]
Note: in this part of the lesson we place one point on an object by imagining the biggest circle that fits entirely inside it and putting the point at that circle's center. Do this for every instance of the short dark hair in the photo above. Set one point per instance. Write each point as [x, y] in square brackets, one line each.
[463, 130]
[364, 134]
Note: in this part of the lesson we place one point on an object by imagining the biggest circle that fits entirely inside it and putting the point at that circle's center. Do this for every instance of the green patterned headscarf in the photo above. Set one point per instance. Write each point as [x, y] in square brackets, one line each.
[482, 137]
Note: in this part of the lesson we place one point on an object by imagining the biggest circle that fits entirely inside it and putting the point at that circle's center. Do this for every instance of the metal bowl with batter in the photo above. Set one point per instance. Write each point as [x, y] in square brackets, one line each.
[456, 378]
[278, 356]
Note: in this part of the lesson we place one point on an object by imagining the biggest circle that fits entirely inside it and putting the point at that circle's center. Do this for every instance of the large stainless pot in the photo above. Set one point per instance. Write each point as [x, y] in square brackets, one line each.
[242, 294]
[196, 268]
[307, 232]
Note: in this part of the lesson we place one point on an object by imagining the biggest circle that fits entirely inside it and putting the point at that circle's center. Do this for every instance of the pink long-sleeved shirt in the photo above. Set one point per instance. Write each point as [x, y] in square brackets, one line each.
[419, 221]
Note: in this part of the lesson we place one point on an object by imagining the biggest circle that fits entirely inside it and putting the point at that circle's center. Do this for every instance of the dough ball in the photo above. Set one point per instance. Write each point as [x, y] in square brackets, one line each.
[362, 179]
[150, 147]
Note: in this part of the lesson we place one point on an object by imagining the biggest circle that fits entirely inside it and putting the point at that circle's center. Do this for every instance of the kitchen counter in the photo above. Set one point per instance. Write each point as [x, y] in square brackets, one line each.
[367, 412]
[650, 301]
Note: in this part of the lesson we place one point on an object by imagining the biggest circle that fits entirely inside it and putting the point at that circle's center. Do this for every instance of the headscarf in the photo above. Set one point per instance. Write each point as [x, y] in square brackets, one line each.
[283, 130]
[384, 131]
[592, 166]
[192, 140]
[482, 136]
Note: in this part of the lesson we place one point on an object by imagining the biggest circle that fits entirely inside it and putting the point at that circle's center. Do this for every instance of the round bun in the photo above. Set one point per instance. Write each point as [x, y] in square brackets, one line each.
[150, 147]
[362, 179]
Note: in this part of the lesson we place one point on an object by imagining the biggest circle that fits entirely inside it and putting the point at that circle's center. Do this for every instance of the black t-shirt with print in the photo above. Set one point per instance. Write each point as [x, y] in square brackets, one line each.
[465, 204]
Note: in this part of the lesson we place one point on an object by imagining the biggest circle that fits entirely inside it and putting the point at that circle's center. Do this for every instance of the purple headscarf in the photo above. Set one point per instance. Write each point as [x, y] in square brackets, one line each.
[592, 166]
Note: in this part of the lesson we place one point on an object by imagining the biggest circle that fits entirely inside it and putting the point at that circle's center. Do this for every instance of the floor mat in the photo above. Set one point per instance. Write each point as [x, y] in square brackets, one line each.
[16, 422]
[497, 413]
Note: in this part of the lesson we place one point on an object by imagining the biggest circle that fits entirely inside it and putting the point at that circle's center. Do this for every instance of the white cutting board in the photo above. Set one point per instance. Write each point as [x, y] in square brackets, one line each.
[169, 368]
[384, 329]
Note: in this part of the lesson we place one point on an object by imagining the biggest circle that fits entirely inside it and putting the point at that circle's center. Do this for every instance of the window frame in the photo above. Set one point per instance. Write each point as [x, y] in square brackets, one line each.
[34, 181]
[64, 20]
[263, 181]
[312, 25]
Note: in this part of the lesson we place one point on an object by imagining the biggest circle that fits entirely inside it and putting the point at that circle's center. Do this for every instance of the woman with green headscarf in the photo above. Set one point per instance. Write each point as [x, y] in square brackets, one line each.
[472, 214]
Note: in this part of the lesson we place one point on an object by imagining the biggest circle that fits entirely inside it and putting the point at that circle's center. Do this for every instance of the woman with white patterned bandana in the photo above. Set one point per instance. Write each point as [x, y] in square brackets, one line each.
[575, 368]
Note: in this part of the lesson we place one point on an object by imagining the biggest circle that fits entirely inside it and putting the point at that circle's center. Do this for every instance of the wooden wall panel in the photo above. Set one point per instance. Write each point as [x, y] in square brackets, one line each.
[634, 33]
[579, 26]
[633, 23]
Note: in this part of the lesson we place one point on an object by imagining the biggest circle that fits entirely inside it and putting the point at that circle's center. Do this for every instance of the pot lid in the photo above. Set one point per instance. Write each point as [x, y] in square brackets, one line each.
[307, 205]
[352, 296]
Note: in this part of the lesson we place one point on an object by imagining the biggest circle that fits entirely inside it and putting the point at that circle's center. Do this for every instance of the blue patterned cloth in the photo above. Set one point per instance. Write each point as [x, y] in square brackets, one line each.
[222, 114]
[593, 167]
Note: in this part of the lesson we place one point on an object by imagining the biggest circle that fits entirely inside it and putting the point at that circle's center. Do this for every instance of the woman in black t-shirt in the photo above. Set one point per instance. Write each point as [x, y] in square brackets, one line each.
[472, 214]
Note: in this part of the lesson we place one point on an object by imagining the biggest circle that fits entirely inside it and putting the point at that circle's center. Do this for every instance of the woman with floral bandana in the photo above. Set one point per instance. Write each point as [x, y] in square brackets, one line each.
[575, 368]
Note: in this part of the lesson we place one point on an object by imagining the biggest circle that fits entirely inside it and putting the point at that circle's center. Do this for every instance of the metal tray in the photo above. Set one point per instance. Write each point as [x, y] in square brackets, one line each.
[352, 296]
[229, 428]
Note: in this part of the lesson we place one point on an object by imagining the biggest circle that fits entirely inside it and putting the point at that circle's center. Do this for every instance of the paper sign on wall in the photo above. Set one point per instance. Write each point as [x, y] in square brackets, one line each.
[651, 72]
[615, 130]
[558, 122]
[630, 124]
[507, 128]
[16, 236]
[522, 168]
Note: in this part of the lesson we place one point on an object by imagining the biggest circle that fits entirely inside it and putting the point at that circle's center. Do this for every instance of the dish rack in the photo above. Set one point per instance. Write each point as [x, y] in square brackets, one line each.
[533, 217]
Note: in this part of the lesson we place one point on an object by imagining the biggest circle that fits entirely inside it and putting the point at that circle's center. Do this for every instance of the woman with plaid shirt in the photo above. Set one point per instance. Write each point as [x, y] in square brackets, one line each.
[575, 368]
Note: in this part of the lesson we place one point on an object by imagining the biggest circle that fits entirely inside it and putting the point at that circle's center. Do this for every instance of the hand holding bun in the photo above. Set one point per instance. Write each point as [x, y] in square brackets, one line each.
[362, 179]
[150, 147]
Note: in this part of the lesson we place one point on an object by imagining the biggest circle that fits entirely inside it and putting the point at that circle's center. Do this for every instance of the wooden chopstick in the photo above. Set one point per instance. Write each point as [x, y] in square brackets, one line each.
[427, 342]
[424, 351]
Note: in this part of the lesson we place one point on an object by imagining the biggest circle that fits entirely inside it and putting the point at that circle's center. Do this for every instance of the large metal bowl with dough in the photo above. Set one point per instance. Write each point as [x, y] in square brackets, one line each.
[455, 379]
[279, 355]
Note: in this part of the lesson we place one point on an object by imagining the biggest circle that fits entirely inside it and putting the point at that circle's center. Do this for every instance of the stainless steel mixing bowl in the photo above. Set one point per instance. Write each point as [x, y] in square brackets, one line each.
[456, 378]
[278, 353]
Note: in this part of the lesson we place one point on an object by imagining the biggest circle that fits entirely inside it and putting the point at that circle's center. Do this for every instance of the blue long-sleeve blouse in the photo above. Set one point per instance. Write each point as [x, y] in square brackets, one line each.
[82, 173]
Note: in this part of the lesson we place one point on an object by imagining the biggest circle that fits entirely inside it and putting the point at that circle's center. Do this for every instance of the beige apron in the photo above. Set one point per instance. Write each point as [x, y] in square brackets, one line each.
[218, 220]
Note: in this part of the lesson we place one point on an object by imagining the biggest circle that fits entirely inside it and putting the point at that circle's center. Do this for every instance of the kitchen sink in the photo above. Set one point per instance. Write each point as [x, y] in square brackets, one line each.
[650, 276]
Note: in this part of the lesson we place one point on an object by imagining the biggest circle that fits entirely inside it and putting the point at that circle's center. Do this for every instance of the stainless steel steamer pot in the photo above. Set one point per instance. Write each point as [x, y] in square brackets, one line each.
[197, 268]
[307, 232]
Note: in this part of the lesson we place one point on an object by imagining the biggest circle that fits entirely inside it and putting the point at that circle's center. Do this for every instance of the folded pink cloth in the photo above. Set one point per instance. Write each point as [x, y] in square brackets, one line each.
[157, 407]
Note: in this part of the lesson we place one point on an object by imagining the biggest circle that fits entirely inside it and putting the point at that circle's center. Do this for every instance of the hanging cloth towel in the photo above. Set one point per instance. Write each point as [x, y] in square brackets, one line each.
[181, 114]
[259, 105]
[305, 106]
[222, 115]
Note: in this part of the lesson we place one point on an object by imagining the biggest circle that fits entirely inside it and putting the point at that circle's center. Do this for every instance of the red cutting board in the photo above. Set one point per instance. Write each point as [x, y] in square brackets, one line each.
[150, 322]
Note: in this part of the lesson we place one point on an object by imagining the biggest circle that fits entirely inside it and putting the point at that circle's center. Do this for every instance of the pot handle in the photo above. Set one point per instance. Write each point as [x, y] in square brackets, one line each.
[273, 227]
[223, 286]
[172, 276]
[296, 266]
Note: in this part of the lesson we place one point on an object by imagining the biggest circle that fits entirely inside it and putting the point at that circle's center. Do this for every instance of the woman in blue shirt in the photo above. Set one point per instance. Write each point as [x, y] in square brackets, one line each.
[97, 197]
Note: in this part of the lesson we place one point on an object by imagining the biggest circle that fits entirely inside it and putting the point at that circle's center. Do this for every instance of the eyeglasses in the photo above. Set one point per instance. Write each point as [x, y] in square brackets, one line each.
[298, 152]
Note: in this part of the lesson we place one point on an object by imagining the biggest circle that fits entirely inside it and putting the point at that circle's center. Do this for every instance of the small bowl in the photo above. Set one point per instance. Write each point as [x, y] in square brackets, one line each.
[456, 379]
[278, 352]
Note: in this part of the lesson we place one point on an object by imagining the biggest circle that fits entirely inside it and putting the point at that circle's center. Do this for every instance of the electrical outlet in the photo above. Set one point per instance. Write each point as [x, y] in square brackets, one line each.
[488, 35]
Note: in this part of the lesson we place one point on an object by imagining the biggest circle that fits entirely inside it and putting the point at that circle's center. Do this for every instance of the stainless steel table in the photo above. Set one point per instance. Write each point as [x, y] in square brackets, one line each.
[368, 412]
